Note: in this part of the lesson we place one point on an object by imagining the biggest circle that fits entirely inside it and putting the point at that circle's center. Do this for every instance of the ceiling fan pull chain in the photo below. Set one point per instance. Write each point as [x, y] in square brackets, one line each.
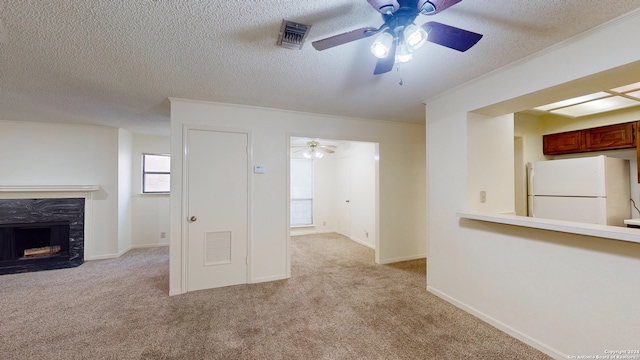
[398, 69]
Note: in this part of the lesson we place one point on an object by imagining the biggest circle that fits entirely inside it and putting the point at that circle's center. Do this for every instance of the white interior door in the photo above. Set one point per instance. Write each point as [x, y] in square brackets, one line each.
[344, 196]
[217, 218]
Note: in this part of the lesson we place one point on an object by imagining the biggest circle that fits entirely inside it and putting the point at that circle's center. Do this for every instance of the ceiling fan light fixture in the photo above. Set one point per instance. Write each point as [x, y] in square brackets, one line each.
[380, 48]
[416, 36]
[403, 54]
[426, 7]
[386, 7]
[312, 154]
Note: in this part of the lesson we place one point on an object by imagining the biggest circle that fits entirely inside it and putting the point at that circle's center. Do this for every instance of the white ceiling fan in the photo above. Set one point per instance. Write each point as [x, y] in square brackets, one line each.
[314, 150]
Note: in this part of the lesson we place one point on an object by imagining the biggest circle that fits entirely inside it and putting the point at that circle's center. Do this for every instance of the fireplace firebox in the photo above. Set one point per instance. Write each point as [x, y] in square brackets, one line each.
[41, 234]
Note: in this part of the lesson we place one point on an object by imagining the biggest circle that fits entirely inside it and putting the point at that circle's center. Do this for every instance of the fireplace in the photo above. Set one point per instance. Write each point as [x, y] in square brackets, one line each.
[41, 234]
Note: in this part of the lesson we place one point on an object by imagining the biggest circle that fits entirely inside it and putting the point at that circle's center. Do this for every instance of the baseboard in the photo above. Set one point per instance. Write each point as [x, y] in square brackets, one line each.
[145, 246]
[363, 243]
[174, 292]
[405, 258]
[103, 257]
[268, 278]
[115, 256]
[501, 326]
[310, 232]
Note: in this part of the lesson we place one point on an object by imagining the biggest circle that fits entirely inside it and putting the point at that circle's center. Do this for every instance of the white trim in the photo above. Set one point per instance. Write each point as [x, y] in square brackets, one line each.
[376, 141]
[602, 231]
[146, 246]
[48, 188]
[119, 254]
[363, 243]
[104, 257]
[328, 116]
[173, 292]
[184, 241]
[500, 325]
[404, 258]
[269, 278]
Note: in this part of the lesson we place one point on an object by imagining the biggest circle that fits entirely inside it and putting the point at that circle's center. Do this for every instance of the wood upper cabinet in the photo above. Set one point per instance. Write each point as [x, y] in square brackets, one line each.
[619, 136]
[610, 137]
[562, 143]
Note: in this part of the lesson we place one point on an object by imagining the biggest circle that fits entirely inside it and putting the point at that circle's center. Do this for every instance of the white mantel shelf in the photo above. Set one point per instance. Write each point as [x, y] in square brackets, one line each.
[603, 231]
[48, 188]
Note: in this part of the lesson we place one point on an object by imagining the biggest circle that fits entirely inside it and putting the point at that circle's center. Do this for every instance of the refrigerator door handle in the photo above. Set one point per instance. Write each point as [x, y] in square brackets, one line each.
[532, 212]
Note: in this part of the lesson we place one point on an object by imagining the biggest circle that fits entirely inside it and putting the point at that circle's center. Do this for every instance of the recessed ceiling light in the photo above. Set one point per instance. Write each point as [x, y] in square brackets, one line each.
[596, 106]
[624, 89]
[574, 101]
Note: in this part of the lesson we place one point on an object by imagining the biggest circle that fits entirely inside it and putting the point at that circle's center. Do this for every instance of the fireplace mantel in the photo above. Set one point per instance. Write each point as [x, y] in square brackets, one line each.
[48, 188]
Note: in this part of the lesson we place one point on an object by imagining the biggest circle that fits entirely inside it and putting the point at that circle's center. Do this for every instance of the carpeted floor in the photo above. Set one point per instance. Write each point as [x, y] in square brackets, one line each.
[338, 305]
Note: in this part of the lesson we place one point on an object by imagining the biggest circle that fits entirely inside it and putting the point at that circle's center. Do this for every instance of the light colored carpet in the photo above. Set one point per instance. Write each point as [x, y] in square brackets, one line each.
[338, 305]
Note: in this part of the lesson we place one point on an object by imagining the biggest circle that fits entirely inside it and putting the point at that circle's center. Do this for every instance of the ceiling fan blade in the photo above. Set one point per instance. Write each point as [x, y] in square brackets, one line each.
[344, 38]
[326, 149]
[451, 37]
[440, 5]
[386, 64]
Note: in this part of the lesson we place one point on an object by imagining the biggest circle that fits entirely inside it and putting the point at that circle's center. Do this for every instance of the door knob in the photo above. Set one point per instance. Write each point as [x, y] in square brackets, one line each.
[346, 200]
[193, 218]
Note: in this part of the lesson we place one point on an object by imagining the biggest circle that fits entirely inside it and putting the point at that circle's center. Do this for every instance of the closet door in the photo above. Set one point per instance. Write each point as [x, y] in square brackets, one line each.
[217, 219]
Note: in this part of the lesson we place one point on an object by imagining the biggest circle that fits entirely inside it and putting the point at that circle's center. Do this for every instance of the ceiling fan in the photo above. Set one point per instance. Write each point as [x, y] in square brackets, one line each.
[400, 36]
[313, 149]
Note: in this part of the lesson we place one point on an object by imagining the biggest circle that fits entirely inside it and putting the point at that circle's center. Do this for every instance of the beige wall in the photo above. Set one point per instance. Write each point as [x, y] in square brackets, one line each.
[562, 293]
[61, 154]
[150, 212]
[54, 154]
[401, 203]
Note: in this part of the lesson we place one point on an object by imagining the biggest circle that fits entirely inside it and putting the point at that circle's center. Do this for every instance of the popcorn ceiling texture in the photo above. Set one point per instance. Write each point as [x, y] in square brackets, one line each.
[116, 62]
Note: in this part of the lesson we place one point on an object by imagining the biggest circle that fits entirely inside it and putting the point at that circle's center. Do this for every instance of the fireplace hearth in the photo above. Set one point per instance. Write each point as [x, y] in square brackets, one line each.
[41, 234]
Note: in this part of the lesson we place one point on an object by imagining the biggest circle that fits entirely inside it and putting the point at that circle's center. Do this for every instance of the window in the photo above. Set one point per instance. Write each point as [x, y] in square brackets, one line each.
[301, 192]
[156, 173]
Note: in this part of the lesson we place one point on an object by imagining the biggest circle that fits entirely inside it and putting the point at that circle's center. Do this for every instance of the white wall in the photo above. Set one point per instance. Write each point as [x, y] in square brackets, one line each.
[565, 294]
[150, 212]
[53, 154]
[489, 149]
[125, 149]
[363, 193]
[324, 186]
[402, 178]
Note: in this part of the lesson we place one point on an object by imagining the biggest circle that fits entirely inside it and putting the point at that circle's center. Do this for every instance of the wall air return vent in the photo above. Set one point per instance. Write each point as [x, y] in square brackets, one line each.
[292, 35]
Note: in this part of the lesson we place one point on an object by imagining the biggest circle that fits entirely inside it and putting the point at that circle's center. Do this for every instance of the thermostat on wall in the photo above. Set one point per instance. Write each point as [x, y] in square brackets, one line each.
[258, 169]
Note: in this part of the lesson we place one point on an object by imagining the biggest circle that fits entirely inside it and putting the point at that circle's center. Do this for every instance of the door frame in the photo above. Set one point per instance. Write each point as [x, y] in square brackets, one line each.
[377, 143]
[184, 223]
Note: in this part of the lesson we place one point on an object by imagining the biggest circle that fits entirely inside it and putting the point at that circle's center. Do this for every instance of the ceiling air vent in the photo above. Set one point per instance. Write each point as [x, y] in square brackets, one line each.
[292, 35]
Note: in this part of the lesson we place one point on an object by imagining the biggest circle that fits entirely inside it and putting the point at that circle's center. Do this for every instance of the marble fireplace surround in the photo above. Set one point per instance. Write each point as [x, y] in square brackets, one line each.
[77, 192]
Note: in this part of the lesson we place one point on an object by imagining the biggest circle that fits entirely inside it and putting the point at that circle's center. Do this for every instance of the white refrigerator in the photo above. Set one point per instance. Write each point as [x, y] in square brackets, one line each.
[593, 190]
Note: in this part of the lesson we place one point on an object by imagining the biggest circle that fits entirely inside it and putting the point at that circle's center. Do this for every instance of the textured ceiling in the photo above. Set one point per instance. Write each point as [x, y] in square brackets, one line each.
[115, 62]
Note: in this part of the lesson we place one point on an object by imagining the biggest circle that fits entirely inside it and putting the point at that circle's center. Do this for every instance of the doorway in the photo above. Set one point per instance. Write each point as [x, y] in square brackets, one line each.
[345, 189]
